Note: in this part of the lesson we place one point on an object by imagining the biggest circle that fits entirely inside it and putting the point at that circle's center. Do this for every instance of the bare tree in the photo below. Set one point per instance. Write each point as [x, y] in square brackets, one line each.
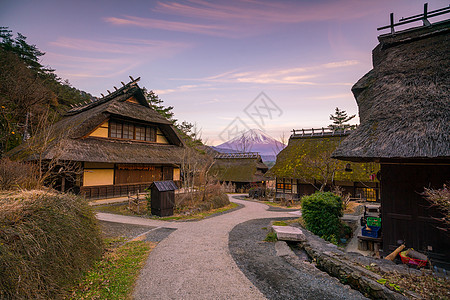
[277, 147]
[47, 149]
[319, 165]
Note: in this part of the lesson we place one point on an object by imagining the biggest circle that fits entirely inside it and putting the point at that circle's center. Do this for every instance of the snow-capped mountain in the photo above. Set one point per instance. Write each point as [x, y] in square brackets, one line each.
[253, 140]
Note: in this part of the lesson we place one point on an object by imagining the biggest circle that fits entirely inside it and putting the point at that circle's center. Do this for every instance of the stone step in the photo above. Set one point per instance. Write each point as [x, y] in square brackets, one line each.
[289, 233]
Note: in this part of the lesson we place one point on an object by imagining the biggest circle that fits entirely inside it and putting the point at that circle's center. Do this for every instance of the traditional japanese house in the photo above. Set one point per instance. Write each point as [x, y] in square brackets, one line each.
[119, 143]
[404, 109]
[243, 170]
[306, 164]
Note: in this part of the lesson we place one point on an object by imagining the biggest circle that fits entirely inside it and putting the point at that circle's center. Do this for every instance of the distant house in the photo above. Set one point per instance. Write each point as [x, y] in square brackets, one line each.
[118, 142]
[306, 164]
[404, 108]
[244, 170]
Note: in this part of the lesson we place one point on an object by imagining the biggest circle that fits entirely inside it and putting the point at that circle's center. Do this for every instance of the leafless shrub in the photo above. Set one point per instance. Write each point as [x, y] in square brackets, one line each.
[211, 198]
[441, 200]
[345, 197]
[46, 241]
[17, 175]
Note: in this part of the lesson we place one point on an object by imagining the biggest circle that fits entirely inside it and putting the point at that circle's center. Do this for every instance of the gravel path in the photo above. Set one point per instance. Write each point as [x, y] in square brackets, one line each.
[194, 261]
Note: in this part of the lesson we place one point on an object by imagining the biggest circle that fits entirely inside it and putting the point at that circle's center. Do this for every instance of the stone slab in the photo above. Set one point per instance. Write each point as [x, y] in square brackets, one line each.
[289, 233]
[282, 249]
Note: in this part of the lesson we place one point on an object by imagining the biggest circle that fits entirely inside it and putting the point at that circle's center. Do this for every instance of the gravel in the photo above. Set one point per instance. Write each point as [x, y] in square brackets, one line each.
[281, 277]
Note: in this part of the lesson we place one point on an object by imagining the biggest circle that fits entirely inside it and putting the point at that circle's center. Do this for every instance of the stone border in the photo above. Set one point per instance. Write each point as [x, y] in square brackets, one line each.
[343, 266]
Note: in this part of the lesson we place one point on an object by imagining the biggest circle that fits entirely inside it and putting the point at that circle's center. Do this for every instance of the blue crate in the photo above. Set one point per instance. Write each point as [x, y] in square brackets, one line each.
[374, 231]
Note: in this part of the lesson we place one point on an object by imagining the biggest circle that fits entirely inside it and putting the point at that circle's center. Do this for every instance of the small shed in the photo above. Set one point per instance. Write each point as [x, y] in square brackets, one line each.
[163, 197]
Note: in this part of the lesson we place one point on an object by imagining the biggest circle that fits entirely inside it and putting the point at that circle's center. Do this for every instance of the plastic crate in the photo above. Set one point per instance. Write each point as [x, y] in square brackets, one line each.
[412, 261]
[374, 231]
[374, 221]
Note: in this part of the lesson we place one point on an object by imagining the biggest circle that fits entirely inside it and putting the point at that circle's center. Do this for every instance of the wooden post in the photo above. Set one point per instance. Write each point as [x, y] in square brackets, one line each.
[394, 254]
[392, 23]
[425, 15]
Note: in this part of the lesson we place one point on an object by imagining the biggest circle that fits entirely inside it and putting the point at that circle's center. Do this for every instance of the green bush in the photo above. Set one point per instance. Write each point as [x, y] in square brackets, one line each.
[321, 212]
[47, 240]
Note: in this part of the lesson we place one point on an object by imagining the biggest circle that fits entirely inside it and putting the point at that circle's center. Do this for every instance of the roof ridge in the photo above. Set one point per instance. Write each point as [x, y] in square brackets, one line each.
[77, 108]
[238, 155]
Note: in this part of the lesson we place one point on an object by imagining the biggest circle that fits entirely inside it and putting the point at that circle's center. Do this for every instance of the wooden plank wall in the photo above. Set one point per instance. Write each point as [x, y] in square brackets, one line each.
[406, 216]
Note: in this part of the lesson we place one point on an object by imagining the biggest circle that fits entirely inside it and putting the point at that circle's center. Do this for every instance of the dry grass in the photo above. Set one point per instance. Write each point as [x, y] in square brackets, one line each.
[350, 208]
[15, 175]
[427, 285]
[195, 202]
[46, 241]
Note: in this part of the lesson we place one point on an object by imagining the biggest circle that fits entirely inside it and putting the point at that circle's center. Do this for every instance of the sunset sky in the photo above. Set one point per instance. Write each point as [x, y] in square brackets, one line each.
[212, 59]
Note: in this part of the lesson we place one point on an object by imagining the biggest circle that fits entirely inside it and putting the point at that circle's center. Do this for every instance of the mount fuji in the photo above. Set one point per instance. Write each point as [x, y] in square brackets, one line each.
[253, 140]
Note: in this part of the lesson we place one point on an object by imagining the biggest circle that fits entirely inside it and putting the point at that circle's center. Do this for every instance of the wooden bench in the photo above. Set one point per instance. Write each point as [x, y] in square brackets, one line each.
[369, 243]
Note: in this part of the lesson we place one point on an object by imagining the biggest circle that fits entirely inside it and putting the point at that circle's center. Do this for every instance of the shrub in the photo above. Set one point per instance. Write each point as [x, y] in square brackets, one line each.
[46, 241]
[17, 175]
[321, 212]
[211, 197]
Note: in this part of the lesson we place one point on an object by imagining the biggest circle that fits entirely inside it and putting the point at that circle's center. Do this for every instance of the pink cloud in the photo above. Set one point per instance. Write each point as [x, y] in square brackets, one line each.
[269, 11]
[123, 46]
[169, 25]
[241, 18]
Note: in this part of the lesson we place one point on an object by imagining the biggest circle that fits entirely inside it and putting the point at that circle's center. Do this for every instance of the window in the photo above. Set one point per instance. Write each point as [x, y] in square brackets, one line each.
[115, 130]
[127, 132]
[140, 133]
[130, 131]
[150, 134]
[287, 186]
[367, 193]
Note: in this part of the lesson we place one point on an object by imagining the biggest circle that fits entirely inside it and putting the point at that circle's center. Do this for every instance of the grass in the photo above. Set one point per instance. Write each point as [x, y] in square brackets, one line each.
[118, 209]
[113, 277]
[279, 223]
[271, 237]
[122, 209]
[200, 215]
[280, 204]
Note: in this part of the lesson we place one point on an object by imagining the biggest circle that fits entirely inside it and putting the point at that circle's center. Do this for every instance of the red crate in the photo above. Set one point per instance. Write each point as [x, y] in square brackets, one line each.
[412, 261]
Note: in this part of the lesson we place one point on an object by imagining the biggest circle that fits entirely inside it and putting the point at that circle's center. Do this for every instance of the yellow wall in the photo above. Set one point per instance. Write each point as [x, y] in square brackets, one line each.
[176, 174]
[98, 177]
[160, 138]
[101, 131]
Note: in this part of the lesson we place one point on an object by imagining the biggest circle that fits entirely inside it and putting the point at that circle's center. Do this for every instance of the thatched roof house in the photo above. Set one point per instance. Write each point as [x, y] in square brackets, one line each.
[306, 164]
[120, 143]
[242, 169]
[404, 108]
[404, 103]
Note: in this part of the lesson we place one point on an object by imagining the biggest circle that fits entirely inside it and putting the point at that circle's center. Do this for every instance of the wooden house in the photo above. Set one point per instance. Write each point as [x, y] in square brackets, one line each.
[243, 170]
[404, 108]
[120, 144]
[306, 164]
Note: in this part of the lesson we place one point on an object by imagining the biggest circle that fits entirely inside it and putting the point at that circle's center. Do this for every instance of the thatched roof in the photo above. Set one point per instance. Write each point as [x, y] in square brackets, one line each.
[306, 155]
[243, 168]
[404, 101]
[70, 141]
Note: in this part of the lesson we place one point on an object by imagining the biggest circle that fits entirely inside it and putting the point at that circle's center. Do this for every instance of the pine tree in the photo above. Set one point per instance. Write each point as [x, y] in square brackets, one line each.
[340, 118]
[157, 104]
